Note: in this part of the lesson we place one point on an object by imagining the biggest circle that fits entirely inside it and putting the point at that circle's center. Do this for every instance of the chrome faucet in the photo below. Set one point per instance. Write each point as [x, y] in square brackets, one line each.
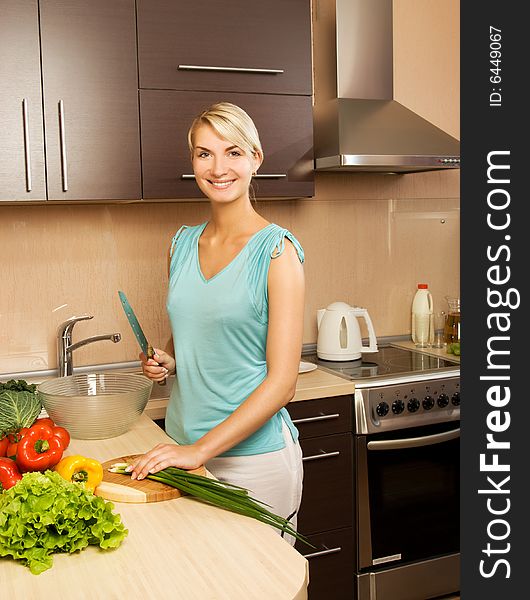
[65, 346]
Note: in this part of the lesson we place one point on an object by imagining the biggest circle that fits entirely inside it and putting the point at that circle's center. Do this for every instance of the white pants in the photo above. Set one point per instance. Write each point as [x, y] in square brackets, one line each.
[274, 477]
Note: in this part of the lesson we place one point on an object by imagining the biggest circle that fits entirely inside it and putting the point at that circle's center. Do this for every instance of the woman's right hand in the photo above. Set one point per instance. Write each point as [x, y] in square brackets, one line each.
[158, 367]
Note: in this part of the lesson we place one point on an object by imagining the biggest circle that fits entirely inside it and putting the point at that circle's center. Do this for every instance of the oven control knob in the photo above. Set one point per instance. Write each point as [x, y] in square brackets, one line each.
[398, 406]
[413, 405]
[382, 409]
[455, 399]
[428, 402]
[443, 400]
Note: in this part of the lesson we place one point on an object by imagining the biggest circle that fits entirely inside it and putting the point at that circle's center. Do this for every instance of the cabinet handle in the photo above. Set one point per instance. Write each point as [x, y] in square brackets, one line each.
[323, 455]
[319, 418]
[323, 552]
[258, 176]
[269, 175]
[27, 154]
[63, 146]
[228, 69]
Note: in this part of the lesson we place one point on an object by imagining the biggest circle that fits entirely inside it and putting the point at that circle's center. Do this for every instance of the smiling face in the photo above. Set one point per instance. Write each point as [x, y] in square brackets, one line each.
[222, 169]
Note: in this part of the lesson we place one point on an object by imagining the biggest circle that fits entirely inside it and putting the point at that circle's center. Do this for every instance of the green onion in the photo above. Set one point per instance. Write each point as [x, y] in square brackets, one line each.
[221, 494]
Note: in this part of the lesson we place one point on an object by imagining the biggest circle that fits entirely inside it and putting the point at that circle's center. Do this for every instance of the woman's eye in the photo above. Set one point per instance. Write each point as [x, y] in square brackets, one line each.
[203, 154]
[235, 153]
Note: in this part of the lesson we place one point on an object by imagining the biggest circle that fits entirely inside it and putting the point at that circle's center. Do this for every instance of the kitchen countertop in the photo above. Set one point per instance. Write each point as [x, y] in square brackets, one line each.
[311, 385]
[177, 548]
[320, 384]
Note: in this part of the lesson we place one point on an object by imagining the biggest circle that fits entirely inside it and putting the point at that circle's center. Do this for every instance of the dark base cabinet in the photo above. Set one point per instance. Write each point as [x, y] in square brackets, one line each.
[326, 512]
[331, 565]
[161, 423]
[285, 125]
[327, 497]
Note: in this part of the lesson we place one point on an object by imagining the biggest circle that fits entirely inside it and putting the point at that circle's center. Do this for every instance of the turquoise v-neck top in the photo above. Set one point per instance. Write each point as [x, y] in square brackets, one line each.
[219, 330]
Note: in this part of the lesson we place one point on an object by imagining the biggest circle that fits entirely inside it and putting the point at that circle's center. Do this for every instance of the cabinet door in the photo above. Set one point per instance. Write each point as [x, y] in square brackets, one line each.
[327, 495]
[22, 175]
[331, 565]
[234, 45]
[90, 99]
[285, 125]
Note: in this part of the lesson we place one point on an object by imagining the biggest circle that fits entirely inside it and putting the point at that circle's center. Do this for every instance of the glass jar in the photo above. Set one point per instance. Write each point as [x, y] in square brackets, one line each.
[452, 321]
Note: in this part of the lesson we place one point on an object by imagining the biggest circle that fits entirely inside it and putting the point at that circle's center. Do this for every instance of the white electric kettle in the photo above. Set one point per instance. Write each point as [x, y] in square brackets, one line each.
[339, 335]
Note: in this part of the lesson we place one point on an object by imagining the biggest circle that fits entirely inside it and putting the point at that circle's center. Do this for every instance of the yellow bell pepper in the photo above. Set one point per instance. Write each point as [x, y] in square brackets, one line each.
[78, 468]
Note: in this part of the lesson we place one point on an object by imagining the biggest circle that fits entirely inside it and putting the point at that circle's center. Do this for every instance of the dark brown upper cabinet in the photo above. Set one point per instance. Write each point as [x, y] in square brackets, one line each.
[283, 122]
[90, 98]
[22, 172]
[229, 46]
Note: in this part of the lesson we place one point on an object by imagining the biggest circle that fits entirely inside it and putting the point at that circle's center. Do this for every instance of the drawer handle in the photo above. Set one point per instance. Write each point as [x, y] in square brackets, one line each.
[257, 176]
[27, 155]
[229, 69]
[319, 418]
[323, 455]
[323, 552]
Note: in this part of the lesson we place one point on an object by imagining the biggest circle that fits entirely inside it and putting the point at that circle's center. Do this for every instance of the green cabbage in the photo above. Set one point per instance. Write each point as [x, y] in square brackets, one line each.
[18, 409]
[43, 514]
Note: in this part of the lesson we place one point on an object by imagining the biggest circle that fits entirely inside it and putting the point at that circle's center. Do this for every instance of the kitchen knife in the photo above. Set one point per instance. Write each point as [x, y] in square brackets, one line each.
[146, 347]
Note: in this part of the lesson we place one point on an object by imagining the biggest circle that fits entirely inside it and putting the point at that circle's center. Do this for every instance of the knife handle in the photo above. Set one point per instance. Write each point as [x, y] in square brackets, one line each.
[150, 354]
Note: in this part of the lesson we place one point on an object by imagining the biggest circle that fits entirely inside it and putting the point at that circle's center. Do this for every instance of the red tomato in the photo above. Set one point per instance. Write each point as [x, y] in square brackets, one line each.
[45, 420]
[13, 440]
[4, 443]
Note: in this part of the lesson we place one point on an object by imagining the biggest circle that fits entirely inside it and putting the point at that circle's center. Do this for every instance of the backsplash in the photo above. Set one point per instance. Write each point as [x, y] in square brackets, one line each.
[368, 240]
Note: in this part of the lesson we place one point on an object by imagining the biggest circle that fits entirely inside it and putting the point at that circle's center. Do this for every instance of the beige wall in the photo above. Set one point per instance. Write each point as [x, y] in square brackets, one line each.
[368, 238]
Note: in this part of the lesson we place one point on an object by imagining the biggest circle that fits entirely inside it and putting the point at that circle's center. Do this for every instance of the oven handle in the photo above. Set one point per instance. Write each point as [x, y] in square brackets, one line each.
[426, 440]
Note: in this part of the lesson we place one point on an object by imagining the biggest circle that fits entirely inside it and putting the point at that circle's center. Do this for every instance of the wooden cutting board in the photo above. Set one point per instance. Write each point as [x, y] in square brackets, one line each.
[121, 488]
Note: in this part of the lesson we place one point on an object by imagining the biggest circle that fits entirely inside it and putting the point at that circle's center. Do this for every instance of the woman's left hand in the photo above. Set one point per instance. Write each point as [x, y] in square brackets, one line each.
[166, 455]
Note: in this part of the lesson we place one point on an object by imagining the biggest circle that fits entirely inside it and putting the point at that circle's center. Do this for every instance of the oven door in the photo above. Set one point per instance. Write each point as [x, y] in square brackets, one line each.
[407, 495]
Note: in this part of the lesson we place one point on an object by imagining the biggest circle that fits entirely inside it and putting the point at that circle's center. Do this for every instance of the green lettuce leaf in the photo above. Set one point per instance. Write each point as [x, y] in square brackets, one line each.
[43, 514]
[17, 410]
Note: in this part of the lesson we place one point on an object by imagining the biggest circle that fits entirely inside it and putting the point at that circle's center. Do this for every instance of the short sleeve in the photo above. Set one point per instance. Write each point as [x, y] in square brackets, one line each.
[176, 251]
[280, 245]
[175, 239]
[269, 246]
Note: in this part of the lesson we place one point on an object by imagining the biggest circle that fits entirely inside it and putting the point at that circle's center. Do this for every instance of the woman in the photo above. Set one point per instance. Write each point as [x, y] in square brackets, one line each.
[235, 303]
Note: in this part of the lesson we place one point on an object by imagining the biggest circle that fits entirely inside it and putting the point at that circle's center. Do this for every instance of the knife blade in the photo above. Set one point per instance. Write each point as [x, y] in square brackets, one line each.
[145, 346]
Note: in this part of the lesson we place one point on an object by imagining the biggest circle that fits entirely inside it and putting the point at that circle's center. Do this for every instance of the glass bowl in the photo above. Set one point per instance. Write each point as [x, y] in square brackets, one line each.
[94, 406]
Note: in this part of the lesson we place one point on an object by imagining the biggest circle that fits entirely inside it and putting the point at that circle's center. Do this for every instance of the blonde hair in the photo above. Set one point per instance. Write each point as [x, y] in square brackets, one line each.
[231, 123]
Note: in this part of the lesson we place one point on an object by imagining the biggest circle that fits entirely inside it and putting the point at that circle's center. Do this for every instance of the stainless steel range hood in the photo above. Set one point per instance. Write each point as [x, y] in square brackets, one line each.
[358, 126]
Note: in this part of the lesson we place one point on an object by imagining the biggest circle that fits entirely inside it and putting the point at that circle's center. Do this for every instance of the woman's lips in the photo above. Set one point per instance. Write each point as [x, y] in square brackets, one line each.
[221, 185]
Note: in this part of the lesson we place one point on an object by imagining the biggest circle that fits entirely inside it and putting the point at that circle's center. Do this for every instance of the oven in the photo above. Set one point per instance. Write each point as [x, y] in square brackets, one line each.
[406, 457]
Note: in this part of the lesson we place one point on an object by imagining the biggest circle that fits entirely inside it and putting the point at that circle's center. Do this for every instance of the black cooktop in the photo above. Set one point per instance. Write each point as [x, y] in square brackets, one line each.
[386, 362]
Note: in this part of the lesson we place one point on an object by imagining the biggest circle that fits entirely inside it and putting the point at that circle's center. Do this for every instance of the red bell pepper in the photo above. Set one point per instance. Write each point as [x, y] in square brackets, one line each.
[63, 435]
[9, 473]
[39, 449]
[59, 431]
[45, 420]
